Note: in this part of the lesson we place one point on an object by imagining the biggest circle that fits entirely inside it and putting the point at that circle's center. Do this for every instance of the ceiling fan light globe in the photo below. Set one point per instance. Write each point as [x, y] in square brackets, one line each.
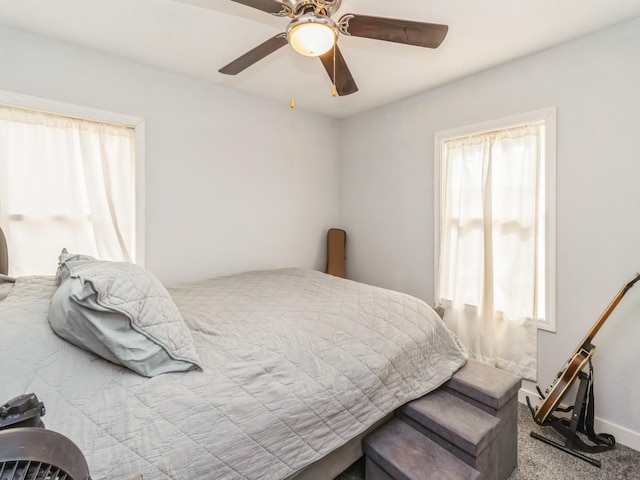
[312, 36]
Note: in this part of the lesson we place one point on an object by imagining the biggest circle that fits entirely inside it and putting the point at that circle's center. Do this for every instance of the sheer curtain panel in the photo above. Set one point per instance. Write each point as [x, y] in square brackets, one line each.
[65, 182]
[492, 244]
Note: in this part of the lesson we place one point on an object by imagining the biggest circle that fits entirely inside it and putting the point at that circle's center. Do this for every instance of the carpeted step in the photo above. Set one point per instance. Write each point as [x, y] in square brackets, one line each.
[496, 392]
[397, 451]
[489, 388]
[461, 428]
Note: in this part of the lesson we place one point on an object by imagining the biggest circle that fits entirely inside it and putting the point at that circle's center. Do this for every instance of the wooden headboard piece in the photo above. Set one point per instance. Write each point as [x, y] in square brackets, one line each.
[4, 254]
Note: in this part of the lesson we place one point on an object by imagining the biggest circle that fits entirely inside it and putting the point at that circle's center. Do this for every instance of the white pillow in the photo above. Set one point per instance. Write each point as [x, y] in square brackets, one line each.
[123, 313]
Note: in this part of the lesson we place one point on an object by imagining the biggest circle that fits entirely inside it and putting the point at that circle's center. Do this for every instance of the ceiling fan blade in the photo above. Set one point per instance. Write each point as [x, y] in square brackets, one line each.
[345, 84]
[421, 34]
[255, 55]
[269, 6]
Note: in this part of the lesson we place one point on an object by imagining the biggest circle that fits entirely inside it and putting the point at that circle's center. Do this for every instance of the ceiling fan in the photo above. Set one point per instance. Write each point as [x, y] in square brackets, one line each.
[312, 32]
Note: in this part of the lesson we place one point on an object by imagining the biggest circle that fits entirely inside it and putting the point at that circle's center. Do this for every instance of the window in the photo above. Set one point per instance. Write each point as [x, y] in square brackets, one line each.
[67, 182]
[495, 245]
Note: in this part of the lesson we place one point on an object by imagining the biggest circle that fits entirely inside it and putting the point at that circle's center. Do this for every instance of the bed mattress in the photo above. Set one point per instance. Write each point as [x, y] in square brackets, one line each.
[295, 364]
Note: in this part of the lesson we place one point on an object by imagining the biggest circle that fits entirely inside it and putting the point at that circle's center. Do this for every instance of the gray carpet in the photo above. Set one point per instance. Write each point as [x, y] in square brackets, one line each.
[539, 461]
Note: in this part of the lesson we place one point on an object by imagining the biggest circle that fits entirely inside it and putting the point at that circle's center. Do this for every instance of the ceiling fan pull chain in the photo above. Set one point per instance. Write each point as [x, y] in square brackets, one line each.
[292, 100]
[334, 89]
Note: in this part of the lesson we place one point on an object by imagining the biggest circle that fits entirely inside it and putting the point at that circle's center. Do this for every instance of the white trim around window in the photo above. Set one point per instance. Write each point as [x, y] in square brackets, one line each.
[548, 116]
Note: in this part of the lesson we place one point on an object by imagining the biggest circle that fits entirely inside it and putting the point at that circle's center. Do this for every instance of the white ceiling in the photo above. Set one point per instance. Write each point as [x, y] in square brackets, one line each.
[197, 37]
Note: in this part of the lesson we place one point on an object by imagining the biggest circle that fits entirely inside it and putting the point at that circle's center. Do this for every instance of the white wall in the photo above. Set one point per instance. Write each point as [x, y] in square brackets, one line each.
[231, 183]
[387, 196]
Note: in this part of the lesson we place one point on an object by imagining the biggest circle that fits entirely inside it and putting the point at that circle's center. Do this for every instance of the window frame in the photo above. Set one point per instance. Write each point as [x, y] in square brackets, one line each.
[18, 100]
[548, 117]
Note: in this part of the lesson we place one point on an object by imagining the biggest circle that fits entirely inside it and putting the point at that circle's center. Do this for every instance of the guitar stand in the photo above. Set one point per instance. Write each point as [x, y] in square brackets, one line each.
[572, 442]
[583, 416]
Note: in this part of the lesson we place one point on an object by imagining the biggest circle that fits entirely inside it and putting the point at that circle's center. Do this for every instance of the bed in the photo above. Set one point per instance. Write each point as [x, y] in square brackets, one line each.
[290, 368]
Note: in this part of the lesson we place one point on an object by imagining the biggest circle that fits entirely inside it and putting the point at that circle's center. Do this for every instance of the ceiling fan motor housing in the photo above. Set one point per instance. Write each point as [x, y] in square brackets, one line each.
[301, 7]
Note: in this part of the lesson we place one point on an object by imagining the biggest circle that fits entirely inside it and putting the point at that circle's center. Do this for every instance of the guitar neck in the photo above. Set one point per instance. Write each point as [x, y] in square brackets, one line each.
[586, 343]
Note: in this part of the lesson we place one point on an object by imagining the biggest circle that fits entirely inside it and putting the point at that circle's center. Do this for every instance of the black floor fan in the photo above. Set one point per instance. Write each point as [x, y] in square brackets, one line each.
[30, 451]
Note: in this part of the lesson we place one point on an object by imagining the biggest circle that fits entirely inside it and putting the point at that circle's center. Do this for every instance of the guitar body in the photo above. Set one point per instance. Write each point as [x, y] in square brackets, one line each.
[577, 362]
[562, 383]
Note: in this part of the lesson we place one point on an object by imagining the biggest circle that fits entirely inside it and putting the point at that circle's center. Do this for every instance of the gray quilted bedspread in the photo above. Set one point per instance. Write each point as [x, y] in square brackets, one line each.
[295, 363]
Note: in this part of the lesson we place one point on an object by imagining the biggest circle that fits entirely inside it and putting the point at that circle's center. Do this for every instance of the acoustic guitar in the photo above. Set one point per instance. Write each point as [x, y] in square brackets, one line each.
[578, 360]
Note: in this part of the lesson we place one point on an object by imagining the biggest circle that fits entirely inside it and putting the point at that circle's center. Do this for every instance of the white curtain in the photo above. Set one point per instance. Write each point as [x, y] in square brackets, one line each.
[65, 182]
[491, 277]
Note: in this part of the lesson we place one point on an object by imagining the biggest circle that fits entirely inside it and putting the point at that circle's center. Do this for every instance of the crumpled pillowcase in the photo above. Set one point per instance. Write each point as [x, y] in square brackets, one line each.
[66, 260]
[121, 312]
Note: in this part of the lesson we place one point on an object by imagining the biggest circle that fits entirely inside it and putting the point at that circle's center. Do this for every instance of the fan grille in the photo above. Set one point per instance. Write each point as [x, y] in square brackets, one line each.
[27, 470]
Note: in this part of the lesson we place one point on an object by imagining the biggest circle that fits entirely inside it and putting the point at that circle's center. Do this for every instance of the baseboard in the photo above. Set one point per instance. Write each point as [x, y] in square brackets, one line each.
[623, 435]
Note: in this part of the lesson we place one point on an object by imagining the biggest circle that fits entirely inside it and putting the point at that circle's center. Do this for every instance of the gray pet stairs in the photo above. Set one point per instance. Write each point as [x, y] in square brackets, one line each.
[466, 429]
